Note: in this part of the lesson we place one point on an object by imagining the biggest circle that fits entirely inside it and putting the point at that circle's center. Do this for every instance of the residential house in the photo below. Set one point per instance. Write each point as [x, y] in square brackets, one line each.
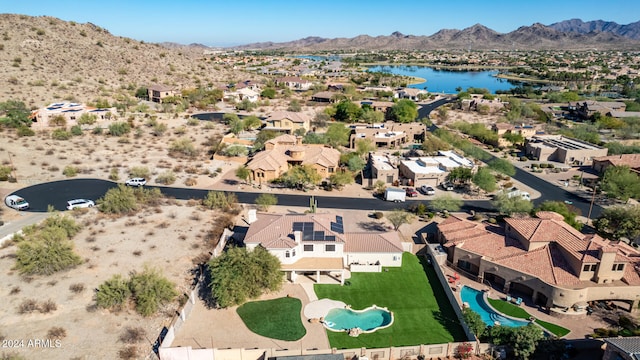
[600, 164]
[242, 94]
[389, 134]
[563, 149]
[157, 92]
[382, 106]
[410, 93]
[544, 258]
[622, 348]
[317, 244]
[294, 83]
[71, 112]
[287, 121]
[287, 150]
[383, 168]
[432, 170]
[586, 109]
[324, 96]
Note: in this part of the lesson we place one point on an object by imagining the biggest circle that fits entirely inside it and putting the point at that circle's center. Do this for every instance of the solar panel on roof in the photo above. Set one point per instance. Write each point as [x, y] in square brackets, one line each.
[297, 226]
[329, 238]
[318, 235]
[337, 228]
[339, 219]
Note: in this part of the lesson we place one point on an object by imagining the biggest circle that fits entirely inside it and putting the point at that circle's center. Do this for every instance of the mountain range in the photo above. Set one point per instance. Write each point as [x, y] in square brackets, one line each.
[571, 34]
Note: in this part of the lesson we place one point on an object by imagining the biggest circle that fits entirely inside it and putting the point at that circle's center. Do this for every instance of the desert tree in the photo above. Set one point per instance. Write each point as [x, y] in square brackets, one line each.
[398, 217]
[264, 201]
[446, 202]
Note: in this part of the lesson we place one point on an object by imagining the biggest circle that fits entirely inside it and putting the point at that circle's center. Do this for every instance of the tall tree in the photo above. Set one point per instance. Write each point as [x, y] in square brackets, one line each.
[619, 221]
[460, 175]
[301, 176]
[239, 274]
[364, 147]
[337, 135]
[14, 114]
[347, 111]
[446, 202]
[485, 180]
[404, 111]
[511, 205]
[621, 183]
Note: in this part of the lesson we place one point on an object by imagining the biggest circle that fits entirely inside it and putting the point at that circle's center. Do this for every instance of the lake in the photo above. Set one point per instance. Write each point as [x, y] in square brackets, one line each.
[439, 81]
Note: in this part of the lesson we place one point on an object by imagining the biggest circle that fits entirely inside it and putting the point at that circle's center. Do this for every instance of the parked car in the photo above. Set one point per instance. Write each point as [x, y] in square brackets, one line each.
[447, 186]
[427, 190]
[16, 202]
[79, 203]
[136, 182]
[411, 192]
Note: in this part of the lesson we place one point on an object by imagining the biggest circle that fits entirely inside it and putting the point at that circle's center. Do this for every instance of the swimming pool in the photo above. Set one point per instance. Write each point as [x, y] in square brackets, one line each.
[476, 302]
[367, 320]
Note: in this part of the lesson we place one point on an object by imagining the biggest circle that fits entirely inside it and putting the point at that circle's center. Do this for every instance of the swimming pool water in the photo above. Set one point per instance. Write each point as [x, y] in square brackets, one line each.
[476, 302]
[345, 319]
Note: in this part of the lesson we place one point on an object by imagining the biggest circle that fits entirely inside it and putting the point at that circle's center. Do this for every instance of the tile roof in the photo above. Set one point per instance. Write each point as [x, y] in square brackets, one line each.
[549, 262]
[293, 116]
[279, 156]
[629, 345]
[269, 227]
[630, 160]
[368, 242]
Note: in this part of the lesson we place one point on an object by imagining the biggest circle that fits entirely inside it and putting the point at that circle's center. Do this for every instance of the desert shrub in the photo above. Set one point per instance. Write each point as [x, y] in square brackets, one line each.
[166, 178]
[140, 171]
[76, 288]
[25, 131]
[46, 248]
[220, 200]
[57, 332]
[193, 122]
[30, 305]
[113, 293]
[48, 306]
[5, 172]
[70, 171]
[235, 150]
[119, 128]
[60, 134]
[119, 200]
[158, 129]
[191, 182]
[132, 335]
[150, 290]
[76, 130]
[183, 147]
[97, 130]
[128, 353]
[378, 215]
[113, 175]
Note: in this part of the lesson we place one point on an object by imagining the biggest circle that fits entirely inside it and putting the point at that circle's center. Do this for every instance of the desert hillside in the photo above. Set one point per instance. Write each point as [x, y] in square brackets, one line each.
[45, 59]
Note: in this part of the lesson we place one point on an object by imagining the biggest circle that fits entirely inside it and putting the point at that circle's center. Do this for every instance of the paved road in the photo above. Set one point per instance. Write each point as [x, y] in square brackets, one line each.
[57, 193]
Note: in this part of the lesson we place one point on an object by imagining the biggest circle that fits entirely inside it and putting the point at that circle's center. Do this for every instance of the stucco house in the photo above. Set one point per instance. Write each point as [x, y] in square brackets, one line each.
[71, 112]
[432, 170]
[287, 121]
[410, 93]
[317, 244]
[600, 164]
[388, 134]
[544, 258]
[294, 83]
[287, 150]
[622, 348]
[157, 92]
[563, 149]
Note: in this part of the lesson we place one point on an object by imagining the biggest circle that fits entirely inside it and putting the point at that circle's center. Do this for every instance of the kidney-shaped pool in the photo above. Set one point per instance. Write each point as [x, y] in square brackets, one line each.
[368, 320]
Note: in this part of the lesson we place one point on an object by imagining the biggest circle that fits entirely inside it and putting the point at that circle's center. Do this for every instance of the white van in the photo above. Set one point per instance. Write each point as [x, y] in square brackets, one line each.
[16, 202]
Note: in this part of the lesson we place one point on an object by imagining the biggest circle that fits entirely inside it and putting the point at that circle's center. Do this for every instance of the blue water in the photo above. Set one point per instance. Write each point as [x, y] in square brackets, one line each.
[344, 319]
[320, 57]
[439, 81]
[476, 302]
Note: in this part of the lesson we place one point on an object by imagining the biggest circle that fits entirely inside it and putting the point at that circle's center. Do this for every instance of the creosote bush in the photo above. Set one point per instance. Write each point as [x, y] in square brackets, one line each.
[166, 178]
[46, 249]
[124, 199]
[183, 147]
[148, 290]
[220, 200]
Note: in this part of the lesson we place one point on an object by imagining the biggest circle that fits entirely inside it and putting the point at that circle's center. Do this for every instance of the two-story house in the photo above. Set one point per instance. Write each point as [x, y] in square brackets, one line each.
[317, 244]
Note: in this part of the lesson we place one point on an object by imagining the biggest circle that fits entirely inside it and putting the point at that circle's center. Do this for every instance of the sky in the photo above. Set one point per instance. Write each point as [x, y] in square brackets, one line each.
[230, 22]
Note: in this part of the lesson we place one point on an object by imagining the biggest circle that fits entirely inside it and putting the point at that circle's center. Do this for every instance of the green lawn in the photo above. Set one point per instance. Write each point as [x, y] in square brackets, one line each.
[277, 319]
[518, 312]
[421, 310]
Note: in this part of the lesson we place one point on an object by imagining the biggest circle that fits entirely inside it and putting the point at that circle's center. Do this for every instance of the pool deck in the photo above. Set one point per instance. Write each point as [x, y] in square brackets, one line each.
[320, 308]
[580, 326]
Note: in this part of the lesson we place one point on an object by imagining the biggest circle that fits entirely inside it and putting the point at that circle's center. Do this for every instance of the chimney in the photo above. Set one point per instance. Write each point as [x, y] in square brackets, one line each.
[297, 236]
